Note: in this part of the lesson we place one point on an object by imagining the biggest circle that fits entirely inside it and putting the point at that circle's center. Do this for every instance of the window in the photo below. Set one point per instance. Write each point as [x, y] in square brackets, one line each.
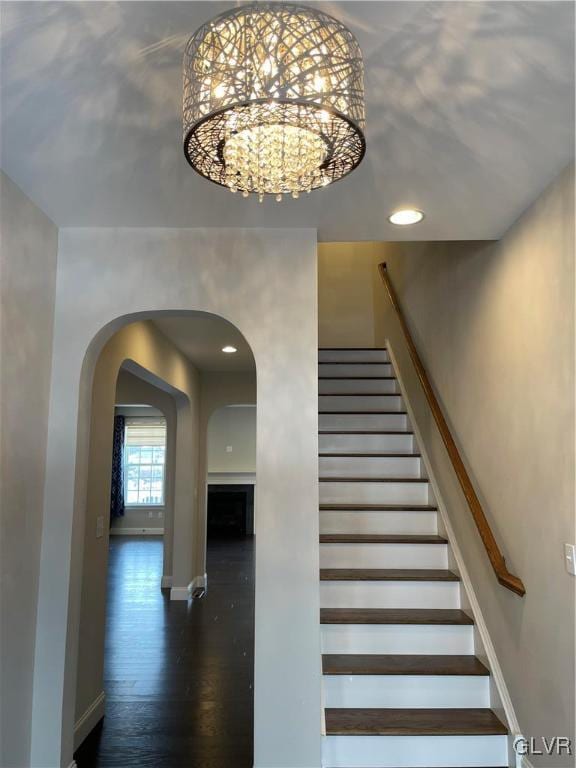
[144, 461]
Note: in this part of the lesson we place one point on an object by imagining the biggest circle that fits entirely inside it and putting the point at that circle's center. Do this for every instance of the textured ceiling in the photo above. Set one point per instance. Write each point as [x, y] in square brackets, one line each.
[469, 109]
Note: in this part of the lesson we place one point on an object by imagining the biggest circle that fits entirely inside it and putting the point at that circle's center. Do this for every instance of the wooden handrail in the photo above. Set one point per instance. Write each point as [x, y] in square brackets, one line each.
[503, 575]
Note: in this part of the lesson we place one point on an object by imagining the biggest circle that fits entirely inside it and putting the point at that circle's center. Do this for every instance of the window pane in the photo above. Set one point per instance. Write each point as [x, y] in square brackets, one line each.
[132, 497]
[132, 454]
[159, 455]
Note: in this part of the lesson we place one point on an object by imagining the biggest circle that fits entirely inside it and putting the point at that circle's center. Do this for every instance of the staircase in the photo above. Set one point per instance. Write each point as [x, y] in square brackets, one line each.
[402, 687]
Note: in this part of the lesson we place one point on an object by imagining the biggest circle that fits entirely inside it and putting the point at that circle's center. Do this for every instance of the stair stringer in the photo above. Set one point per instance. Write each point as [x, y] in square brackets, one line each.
[501, 701]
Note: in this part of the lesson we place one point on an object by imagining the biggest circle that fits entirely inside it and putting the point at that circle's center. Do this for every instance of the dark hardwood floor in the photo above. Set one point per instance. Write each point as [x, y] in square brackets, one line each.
[178, 676]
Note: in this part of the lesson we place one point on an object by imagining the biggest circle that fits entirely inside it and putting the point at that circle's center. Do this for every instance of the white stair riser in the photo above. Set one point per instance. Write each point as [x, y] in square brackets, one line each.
[383, 556]
[350, 369]
[373, 493]
[406, 691]
[397, 638]
[360, 403]
[379, 522]
[389, 594]
[376, 466]
[370, 422]
[365, 443]
[368, 386]
[353, 355]
[413, 751]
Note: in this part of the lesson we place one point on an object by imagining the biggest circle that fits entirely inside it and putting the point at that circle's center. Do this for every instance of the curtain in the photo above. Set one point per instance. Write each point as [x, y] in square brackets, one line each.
[117, 493]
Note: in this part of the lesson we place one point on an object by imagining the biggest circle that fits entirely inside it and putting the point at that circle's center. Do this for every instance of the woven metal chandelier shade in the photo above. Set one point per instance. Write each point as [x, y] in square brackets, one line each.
[273, 100]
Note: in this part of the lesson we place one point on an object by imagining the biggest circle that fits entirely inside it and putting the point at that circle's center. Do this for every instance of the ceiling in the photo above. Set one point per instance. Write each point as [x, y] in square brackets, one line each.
[201, 337]
[469, 109]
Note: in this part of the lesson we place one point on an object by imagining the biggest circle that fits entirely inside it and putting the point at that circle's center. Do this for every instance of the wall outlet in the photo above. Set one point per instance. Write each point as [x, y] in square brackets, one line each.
[151, 513]
[570, 555]
[99, 527]
[160, 514]
[228, 449]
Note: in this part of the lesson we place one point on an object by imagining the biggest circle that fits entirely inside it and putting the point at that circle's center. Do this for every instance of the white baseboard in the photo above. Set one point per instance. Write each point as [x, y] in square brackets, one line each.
[88, 721]
[181, 593]
[166, 582]
[200, 582]
[136, 531]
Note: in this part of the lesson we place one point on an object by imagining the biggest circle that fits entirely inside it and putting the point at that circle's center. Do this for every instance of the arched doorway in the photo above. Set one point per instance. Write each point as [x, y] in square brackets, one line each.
[131, 666]
[264, 283]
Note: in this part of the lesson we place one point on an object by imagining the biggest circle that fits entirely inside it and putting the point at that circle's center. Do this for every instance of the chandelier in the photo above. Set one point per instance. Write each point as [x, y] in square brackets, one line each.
[273, 100]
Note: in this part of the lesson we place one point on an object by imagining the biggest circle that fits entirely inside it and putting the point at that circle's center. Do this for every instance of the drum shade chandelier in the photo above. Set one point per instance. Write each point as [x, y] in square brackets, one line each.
[273, 100]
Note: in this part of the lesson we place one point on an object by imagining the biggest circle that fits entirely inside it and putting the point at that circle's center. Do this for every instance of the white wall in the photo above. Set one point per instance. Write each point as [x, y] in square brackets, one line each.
[263, 281]
[28, 245]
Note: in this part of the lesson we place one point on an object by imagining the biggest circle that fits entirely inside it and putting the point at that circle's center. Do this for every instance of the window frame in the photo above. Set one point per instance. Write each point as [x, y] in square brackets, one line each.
[150, 466]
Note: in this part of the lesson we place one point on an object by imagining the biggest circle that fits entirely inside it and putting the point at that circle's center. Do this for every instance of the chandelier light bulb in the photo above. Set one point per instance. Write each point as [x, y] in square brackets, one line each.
[273, 100]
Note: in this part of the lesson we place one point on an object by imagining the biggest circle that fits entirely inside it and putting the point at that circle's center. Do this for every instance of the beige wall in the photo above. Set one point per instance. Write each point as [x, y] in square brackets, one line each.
[28, 245]
[143, 345]
[345, 294]
[235, 428]
[494, 324]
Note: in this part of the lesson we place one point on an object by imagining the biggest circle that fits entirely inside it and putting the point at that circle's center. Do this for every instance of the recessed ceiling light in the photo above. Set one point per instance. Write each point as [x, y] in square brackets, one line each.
[406, 216]
[229, 350]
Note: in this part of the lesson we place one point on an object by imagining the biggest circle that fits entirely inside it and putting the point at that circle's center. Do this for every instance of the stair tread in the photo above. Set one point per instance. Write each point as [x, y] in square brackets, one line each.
[380, 538]
[357, 378]
[352, 349]
[398, 664]
[364, 432]
[378, 508]
[328, 479]
[353, 362]
[359, 394]
[436, 616]
[381, 455]
[387, 574]
[413, 722]
[363, 413]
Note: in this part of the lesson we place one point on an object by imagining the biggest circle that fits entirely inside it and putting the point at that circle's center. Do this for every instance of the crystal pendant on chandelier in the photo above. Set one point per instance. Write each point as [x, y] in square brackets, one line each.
[273, 100]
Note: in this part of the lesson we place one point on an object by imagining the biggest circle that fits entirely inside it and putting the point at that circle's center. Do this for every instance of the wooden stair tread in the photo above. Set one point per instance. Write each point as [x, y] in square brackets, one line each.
[358, 378]
[353, 362]
[352, 349]
[413, 722]
[435, 616]
[380, 538]
[387, 574]
[326, 479]
[359, 394]
[376, 664]
[364, 432]
[378, 412]
[381, 455]
[378, 508]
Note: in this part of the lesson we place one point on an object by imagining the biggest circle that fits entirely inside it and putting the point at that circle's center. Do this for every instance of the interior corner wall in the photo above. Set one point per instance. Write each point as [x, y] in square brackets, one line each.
[28, 249]
[244, 276]
[494, 325]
